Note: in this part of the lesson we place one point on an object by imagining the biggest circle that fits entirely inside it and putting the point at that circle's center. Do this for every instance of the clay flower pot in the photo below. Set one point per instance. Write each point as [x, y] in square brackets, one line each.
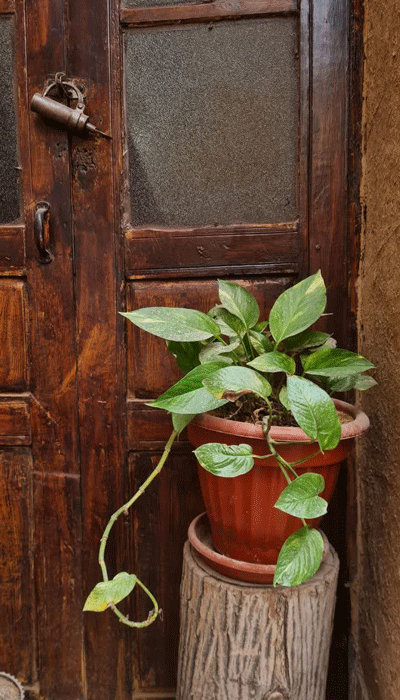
[244, 523]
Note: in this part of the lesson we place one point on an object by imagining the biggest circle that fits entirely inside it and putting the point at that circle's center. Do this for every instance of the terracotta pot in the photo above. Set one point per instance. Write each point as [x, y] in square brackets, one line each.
[244, 523]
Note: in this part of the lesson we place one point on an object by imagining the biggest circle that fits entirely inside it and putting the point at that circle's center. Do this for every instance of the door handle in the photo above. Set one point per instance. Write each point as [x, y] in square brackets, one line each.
[42, 231]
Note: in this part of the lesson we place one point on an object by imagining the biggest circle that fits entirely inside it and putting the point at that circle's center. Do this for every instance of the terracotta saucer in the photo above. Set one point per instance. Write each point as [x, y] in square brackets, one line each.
[199, 534]
[200, 538]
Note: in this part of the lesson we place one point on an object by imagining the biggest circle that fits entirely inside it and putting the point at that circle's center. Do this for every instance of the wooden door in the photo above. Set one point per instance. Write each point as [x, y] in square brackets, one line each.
[227, 159]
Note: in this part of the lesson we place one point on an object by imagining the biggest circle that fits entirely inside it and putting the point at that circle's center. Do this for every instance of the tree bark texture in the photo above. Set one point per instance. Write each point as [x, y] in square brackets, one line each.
[241, 641]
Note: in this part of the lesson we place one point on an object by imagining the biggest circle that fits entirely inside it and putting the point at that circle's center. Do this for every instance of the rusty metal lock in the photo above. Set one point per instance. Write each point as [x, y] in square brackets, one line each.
[73, 118]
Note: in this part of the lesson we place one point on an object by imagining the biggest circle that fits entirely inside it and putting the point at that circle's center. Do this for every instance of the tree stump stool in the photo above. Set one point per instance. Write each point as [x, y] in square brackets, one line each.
[241, 641]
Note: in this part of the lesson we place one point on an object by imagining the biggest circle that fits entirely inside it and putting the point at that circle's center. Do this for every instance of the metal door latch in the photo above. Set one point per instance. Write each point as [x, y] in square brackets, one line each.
[41, 229]
[51, 104]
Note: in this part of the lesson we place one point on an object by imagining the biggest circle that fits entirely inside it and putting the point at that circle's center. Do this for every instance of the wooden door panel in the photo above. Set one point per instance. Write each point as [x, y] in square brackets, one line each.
[58, 579]
[17, 596]
[180, 155]
[218, 250]
[15, 420]
[133, 16]
[13, 336]
[12, 250]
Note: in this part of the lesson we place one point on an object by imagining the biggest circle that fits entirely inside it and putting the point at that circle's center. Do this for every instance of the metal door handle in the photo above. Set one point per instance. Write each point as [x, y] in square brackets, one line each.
[42, 231]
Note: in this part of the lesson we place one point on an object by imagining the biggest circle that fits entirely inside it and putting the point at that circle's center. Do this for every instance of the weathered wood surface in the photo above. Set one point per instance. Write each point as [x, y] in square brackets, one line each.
[91, 53]
[13, 351]
[17, 607]
[45, 160]
[328, 167]
[7, 7]
[193, 253]
[15, 420]
[203, 11]
[248, 642]
[12, 250]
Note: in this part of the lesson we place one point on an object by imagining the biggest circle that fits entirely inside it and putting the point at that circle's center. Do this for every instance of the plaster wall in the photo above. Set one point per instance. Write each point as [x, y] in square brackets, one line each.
[376, 590]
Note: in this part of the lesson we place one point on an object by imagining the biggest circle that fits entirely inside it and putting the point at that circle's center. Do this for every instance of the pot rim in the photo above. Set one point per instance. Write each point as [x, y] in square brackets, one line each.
[352, 429]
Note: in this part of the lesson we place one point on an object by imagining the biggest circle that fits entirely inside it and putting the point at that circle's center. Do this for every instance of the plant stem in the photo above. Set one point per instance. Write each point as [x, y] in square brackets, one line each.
[114, 517]
[152, 615]
[250, 345]
[305, 459]
[280, 461]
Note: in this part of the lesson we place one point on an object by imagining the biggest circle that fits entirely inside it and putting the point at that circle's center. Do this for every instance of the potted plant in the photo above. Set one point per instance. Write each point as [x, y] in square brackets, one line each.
[269, 438]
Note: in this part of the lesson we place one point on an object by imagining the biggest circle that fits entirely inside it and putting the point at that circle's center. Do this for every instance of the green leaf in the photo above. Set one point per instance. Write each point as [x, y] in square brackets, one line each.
[239, 302]
[364, 382]
[225, 460]
[174, 323]
[353, 381]
[107, 592]
[274, 362]
[186, 354]
[189, 395]
[181, 420]
[284, 399]
[232, 381]
[306, 339]
[260, 342]
[260, 326]
[213, 351]
[314, 411]
[299, 558]
[228, 323]
[300, 498]
[298, 307]
[335, 363]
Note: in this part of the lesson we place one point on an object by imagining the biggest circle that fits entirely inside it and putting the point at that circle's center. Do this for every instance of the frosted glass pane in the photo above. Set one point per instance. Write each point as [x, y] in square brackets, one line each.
[212, 123]
[9, 189]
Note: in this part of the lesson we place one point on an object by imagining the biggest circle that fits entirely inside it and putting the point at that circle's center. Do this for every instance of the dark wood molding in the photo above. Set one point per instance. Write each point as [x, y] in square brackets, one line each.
[202, 12]
[15, 420]
[157, 231]
[12, 250]
[45, 161]
[92, 52]
[7, 7]
[304, 132]
[218, 250]
[328, 165]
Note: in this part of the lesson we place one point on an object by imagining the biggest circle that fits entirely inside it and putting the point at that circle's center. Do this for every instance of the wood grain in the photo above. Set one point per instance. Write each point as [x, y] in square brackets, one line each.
[148, 428]
[205, 11]
[17, 599]
[328, 193]
[198, 251]
[13, 332]
[12, 250]
[15, 424]
[58, 583]
[46, 176]
[158, 529]
[241, 642]
[91, 45]
[304, 134]
[50, 287]
[7, 7]
[328, 243]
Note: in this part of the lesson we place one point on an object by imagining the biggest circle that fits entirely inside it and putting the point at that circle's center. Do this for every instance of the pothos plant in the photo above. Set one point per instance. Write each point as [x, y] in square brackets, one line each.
[278, 371]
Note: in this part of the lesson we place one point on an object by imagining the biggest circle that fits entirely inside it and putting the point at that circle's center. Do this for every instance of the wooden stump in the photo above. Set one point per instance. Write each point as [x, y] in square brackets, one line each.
[240, 641]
